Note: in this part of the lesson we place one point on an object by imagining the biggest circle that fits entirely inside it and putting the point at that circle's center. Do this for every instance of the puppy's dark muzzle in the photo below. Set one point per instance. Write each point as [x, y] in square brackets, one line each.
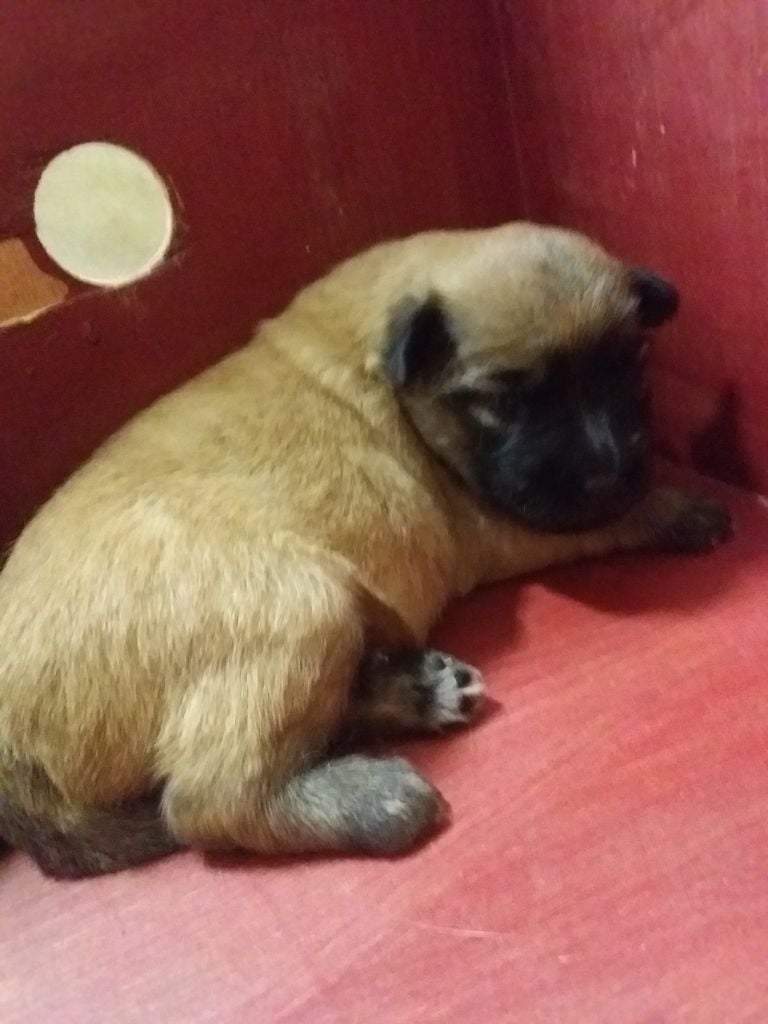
[597, 501]
[617, 486]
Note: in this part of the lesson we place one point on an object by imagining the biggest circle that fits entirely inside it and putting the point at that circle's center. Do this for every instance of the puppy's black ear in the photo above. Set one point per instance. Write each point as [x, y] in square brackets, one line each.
[657, 299]
[420, 343]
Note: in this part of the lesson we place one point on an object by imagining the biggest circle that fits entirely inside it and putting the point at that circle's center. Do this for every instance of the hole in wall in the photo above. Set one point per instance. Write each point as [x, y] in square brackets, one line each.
[103, 214]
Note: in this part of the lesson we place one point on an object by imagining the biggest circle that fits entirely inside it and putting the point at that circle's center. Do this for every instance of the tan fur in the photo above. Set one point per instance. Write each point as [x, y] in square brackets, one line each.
[190, 609]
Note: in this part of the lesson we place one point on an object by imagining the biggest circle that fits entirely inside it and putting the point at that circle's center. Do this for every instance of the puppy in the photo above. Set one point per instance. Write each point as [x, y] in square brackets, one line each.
[251, 567]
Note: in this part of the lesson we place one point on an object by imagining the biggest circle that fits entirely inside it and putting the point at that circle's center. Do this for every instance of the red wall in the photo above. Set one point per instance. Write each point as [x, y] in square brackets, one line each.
[646, 123]
[293, 132]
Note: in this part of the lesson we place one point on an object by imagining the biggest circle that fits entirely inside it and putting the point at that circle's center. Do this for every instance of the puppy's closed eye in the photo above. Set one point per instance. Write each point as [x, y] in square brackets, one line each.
[486, 413]
[491, 409]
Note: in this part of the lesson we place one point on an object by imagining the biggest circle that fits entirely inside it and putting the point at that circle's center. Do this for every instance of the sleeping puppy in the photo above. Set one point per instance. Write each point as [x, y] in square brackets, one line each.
[251, 567]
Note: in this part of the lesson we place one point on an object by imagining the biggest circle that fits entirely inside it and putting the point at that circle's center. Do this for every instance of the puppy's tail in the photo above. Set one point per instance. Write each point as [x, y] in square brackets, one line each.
[74, 842]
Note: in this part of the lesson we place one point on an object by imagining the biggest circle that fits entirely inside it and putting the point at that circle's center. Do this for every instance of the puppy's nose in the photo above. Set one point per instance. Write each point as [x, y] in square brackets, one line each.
[600, 483]
[601, 457]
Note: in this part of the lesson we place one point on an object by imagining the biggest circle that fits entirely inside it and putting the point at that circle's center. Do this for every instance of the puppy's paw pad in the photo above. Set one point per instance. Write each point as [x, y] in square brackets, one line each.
[450, 692]
[699, 525]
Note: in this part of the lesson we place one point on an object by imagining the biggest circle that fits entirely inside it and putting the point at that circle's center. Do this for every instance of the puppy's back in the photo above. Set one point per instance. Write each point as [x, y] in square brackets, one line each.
[166, 549]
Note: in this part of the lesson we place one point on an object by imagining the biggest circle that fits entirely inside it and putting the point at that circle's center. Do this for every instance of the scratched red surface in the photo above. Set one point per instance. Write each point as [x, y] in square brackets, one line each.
[606, 862]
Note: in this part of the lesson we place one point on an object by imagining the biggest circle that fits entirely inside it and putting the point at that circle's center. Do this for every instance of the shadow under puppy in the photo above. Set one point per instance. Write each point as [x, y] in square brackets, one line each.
[252, 565]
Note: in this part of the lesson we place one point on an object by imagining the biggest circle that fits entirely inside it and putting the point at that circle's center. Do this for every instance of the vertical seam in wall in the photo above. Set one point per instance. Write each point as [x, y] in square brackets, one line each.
[515, 135]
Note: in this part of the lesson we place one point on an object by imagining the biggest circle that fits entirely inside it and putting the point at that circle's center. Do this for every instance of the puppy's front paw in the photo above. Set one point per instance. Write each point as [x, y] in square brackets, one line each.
[681, 522]
[414, 691]
[447, 692]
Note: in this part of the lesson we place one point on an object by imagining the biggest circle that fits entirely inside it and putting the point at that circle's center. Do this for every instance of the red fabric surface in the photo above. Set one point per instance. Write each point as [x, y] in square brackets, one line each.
[646, 123]
[606, 861]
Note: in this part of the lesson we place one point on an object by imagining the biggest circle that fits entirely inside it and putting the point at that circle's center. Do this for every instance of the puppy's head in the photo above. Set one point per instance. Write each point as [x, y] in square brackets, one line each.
[521, 364]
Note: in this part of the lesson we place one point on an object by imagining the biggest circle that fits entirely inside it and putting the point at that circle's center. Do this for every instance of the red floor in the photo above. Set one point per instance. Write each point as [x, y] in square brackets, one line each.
[606, 863]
